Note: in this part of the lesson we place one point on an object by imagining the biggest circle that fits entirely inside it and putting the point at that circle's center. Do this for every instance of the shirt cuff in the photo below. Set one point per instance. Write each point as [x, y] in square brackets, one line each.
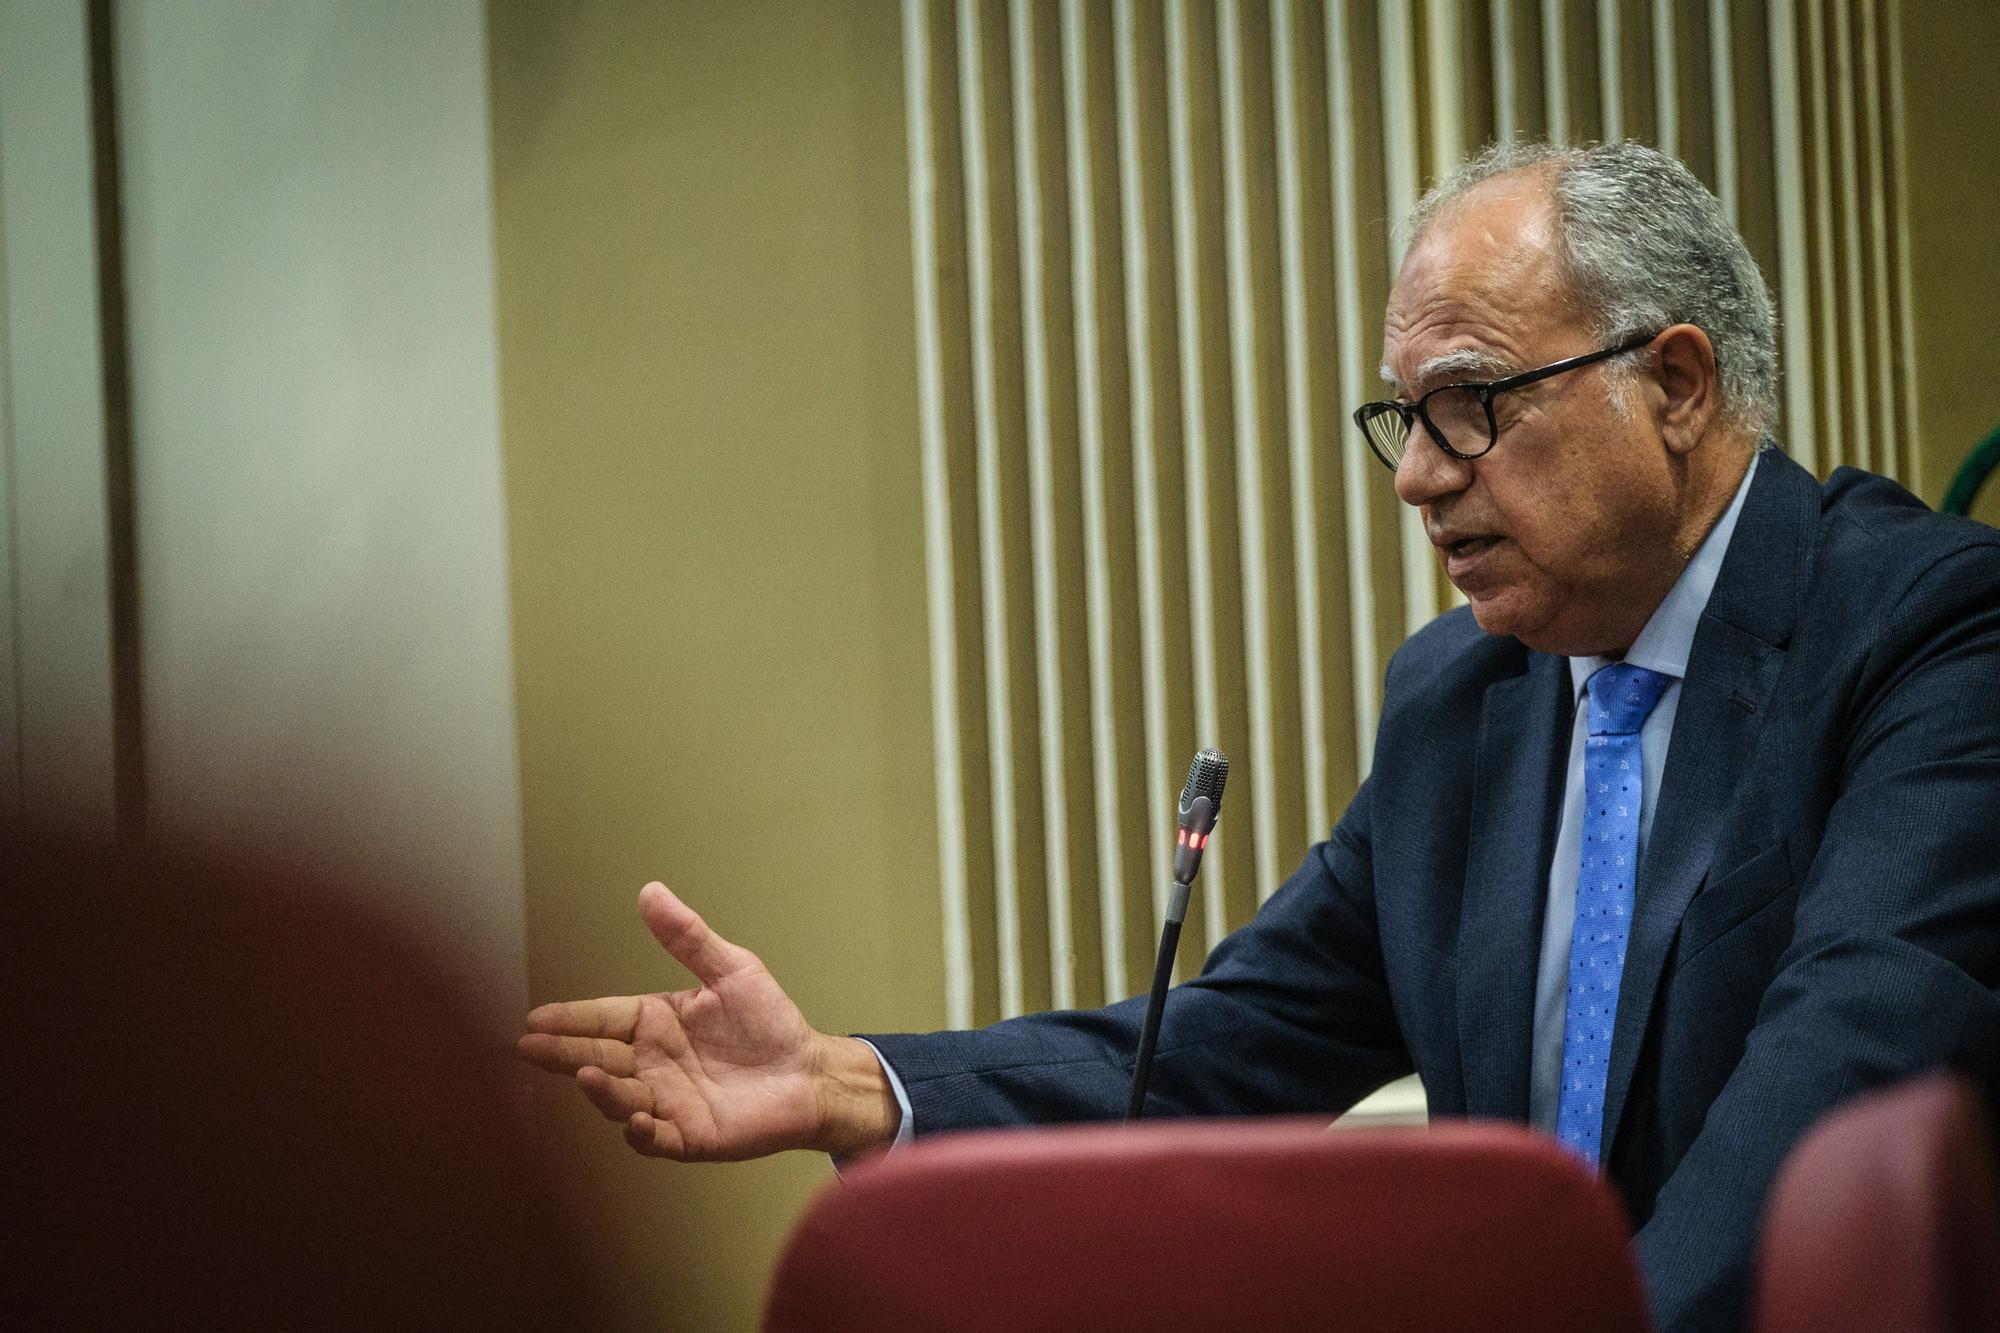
[905, 1131]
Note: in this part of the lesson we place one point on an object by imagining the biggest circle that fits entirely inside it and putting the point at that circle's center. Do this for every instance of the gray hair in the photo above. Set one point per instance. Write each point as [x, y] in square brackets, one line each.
[1644, 245]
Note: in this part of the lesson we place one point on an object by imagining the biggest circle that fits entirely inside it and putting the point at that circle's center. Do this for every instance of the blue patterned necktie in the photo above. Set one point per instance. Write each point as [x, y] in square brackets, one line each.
[1620, 698]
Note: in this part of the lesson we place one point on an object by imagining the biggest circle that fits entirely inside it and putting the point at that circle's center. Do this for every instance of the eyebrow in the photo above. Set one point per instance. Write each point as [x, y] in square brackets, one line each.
[1466, 360]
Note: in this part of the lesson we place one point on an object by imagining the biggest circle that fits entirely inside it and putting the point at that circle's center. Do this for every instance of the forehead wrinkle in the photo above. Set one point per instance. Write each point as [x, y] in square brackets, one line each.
[1481, 275]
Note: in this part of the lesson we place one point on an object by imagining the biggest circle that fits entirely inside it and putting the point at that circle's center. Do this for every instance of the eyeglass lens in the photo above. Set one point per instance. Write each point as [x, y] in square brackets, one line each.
[1455, 413]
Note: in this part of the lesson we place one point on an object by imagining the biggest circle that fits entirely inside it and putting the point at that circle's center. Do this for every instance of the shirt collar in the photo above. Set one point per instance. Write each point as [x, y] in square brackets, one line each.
[1664, 643]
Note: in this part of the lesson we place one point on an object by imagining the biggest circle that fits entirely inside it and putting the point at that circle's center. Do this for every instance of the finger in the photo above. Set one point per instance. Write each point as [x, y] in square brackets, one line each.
[687, 937]
[566, 1055]
[614, 1098]
[614, 1016]
[652, 1137]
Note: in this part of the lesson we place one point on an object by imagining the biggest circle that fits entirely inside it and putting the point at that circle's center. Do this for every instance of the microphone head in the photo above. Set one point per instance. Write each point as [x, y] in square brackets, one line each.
[1206, 776]
[1201, 805]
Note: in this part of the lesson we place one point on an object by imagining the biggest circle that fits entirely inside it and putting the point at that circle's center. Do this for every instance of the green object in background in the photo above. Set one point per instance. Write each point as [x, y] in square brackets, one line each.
[1974, 470]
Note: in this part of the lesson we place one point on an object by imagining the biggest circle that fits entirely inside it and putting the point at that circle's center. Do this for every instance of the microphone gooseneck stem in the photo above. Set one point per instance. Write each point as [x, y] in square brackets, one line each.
[1156, 1003]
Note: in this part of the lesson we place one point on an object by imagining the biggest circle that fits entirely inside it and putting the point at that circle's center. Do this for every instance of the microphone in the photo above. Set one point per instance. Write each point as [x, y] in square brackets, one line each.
[1200, 806]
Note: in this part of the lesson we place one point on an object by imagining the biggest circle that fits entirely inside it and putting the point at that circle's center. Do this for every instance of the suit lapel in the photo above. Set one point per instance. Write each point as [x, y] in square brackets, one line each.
[1738, 654]
[1517, 788]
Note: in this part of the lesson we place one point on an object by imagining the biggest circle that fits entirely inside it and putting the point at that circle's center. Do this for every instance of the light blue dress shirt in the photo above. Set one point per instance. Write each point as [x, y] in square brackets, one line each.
[904, 1130]
[1662, 646]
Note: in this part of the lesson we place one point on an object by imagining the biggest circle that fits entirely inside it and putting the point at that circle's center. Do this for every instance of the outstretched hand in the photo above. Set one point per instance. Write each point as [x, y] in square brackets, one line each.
[728, 1070]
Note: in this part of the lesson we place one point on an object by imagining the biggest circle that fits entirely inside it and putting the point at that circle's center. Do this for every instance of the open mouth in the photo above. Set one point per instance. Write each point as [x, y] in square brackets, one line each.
[1470, 546]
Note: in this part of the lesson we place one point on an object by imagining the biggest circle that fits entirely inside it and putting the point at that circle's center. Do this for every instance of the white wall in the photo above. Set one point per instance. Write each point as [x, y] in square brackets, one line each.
[55, 610]
[321, 543]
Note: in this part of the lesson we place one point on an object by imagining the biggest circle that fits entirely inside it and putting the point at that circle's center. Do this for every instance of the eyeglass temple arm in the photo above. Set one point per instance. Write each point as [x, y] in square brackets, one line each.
[1541, 373]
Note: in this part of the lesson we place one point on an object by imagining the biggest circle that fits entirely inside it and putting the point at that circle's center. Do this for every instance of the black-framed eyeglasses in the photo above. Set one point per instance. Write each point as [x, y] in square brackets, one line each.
[1459, 417]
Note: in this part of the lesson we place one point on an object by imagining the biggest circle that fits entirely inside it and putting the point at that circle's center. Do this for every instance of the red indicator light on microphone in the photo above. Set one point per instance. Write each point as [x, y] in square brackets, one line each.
[1181, 837]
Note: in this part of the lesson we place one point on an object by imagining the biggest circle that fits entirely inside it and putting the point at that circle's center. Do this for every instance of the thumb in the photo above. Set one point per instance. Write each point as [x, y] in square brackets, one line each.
[682, 932]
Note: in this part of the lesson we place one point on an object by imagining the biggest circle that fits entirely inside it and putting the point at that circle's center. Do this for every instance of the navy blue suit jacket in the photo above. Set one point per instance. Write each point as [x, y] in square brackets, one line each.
[1818, 909]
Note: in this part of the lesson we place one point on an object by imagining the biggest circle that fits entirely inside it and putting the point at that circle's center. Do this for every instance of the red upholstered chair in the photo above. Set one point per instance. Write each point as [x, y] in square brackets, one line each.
[1884, 1218]
[1248, 1224]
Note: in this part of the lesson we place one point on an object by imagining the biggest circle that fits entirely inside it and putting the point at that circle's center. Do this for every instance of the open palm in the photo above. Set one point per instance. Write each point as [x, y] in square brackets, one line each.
[727, 1070]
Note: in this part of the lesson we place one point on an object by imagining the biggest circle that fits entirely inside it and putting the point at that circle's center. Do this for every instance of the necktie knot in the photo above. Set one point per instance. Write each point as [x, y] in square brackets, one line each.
[1621, 696]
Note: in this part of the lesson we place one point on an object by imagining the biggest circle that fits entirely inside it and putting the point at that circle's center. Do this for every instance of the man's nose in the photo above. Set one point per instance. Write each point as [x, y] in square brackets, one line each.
[1426, 472]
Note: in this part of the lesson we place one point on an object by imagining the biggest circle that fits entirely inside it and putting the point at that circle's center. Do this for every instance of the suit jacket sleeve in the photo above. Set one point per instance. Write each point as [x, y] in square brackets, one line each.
[1894, 955]
[1290, 1014]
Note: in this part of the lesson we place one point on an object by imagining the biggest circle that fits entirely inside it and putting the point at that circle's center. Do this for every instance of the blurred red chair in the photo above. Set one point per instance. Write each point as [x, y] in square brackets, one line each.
[1884, 1218]
[1264, 1224]
[236, 1100]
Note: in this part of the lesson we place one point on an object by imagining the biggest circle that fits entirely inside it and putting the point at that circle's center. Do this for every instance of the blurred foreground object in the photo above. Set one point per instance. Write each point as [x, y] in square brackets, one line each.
[237, 1101]
[1972, 474]
[1268, 1224]
[1884, 1218]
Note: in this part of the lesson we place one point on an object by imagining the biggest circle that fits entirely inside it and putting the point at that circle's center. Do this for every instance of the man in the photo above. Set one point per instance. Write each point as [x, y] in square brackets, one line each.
[1681, 833]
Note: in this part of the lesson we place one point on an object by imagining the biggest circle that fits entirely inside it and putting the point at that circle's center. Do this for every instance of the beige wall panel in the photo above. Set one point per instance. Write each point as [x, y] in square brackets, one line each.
[57, 734]
[1949, 124]
[323, 645]
[709, 392]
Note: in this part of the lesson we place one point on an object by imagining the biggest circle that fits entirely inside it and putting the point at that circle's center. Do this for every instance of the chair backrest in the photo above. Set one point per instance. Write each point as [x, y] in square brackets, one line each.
[1884, 1218]
[1265, 1224]
[239, 1099]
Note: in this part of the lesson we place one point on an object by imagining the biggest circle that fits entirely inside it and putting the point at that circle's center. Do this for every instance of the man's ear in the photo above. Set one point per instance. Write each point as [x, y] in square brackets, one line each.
[1684, 364]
